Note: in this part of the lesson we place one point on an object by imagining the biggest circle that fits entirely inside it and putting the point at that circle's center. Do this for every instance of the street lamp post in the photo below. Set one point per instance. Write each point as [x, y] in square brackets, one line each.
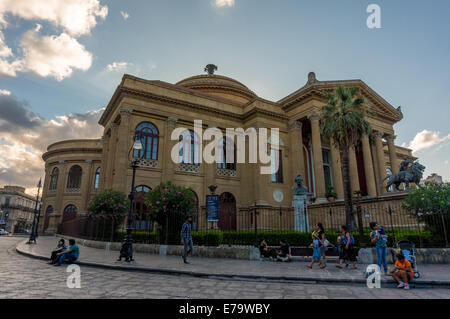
[32, 238]
[38, 218]
[127, 246]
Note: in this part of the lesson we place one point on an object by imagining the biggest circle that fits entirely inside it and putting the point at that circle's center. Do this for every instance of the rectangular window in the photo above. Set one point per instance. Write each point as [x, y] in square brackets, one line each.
[326, 157]
[276, 177]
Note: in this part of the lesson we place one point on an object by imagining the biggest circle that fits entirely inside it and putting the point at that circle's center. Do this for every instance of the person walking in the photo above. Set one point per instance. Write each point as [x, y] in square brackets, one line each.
[379, 238]
[348, 251]
[186, 238]
[323, 244]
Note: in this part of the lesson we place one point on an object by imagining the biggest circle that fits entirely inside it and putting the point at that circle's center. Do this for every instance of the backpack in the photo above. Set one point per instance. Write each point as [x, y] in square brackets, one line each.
[344, 239]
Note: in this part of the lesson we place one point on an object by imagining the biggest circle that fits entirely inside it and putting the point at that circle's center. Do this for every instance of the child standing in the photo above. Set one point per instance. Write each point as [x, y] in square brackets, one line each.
[317, 254]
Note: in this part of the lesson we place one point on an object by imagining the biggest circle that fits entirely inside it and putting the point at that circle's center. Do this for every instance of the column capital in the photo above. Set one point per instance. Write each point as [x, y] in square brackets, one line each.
[390, 138]
[315, 116]
[113, 126]
[378, 134]
[295, 125]
[63, 163]
[89, 162]
[172, 121]
[125, 112]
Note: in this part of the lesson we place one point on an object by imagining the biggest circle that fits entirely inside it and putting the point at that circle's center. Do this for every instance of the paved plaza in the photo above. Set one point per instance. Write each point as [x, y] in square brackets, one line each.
[25, 277]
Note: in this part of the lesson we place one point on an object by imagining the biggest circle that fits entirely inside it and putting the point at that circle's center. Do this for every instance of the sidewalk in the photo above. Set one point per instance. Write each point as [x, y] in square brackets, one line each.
[431, 275]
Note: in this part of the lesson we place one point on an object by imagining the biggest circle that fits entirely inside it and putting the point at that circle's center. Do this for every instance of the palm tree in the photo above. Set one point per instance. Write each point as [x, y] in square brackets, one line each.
[343, 121]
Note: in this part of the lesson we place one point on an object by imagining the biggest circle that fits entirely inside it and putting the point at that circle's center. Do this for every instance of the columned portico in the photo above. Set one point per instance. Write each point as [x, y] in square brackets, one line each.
[317, 154]
[368, 167]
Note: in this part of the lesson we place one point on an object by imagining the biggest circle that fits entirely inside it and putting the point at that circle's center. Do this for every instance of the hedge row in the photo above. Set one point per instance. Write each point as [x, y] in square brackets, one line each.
[216, 238]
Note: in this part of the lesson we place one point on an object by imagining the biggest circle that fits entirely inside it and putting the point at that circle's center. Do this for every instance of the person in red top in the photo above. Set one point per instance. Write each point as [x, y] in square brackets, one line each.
[402, 272]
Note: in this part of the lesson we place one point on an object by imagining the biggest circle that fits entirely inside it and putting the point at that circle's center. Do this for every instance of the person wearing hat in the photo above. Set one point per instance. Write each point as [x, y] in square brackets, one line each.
[186, 238]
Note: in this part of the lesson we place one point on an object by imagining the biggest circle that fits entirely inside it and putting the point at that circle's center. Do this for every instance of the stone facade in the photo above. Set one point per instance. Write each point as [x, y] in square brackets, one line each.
[223, 103]
[17, 209]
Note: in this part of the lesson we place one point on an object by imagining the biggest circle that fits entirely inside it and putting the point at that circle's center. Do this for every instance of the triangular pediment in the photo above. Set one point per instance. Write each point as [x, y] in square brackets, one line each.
[318, 89]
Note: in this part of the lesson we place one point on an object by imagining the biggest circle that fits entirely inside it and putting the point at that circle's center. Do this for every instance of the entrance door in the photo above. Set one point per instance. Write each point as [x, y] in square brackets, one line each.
[227, 212]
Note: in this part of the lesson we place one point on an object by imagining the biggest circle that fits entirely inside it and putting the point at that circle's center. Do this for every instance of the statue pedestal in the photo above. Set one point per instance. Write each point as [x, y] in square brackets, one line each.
[301, 222]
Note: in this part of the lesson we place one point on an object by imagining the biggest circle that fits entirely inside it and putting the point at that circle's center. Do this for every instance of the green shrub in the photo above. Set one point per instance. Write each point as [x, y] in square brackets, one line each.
[217, 238]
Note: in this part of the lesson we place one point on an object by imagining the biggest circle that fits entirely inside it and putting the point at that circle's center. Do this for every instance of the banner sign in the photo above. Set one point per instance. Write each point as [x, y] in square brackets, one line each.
[212, 207]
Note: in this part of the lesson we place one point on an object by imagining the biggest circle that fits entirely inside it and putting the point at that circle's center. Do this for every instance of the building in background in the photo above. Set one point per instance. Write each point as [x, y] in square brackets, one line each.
[17, 209]
[433, 178]
[77, 169]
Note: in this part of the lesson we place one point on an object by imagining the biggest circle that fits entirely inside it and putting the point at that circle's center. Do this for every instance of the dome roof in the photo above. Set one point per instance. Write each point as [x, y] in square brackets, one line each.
[221, 86]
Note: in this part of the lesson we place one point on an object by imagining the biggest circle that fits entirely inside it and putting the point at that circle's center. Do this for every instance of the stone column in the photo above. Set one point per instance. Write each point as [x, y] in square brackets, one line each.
[336, 168]
[124, 141]
[368, 167]
[392, 153]
[317, 153]
[87, 183]
[353, 168]
[375, 166]
[169, 165]
[111, 155]
[380, 159]
[296, 149]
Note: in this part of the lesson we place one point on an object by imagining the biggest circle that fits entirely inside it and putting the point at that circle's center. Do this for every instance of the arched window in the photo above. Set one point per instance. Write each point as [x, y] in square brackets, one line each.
[70, 212]
[142, 188]
[54, 179]
[74, 179]
[97, 178]
[149, 136]
[189, 148]
[227, 154]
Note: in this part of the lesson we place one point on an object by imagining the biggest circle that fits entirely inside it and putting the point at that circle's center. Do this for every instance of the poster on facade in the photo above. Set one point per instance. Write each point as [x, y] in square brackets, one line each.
[212, 208]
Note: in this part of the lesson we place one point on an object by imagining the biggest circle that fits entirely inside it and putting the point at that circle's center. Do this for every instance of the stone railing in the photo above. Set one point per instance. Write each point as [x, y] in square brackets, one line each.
[189, 168]
[73, 190]
[224, 172]
[148, 163]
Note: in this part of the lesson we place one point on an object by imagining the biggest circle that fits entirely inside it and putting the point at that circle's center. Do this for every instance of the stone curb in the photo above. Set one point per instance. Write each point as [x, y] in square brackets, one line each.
[262, 278]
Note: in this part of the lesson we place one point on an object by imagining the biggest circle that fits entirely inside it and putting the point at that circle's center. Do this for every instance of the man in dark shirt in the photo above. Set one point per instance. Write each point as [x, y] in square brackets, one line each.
[186, 238]
[284, 252]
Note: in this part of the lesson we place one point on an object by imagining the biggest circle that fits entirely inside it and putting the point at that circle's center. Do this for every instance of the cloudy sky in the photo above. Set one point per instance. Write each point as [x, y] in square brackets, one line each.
[60, 61]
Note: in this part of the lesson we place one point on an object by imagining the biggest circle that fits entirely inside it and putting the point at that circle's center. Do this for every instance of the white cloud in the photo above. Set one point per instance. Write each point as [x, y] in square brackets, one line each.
[55, 56]
[58, 55]
[117, 66]
[125, 15]
[26, 136]
[224, 3]
[426, 139]
[77, 17]
[5, 92]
